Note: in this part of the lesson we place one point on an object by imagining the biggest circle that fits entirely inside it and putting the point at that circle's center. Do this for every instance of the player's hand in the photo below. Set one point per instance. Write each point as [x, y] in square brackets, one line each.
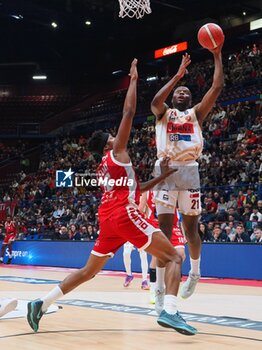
[186, 60]
[133, 70]
[165, 169]
[218, 49]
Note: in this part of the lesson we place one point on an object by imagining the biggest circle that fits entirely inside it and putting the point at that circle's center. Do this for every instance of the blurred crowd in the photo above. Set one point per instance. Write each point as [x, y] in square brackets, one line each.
[240, 68]
[11, 152]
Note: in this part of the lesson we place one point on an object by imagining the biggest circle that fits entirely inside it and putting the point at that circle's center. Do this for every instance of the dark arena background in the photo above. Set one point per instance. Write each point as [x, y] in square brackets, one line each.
[64, 68]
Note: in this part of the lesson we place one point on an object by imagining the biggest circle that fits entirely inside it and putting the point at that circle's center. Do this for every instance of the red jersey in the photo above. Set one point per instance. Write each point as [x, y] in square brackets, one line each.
[176, 219]
[151, 210]
[177, 240]
[150, 206]
[10, 227]
[119, 185]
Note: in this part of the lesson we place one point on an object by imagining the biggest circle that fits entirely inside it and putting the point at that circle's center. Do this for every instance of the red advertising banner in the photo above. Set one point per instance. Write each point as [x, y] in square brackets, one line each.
[169, 50]
[7, 208]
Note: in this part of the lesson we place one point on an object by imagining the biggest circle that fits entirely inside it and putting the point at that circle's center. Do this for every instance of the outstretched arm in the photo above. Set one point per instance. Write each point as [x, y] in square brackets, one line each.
[158, 105]
[204, 107]
[121, 140]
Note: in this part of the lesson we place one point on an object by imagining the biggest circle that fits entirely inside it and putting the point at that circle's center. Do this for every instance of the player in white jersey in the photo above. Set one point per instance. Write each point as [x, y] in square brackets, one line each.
[179, 136]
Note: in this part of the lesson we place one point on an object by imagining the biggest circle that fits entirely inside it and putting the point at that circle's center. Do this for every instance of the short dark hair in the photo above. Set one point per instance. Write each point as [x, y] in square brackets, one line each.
[97, 142]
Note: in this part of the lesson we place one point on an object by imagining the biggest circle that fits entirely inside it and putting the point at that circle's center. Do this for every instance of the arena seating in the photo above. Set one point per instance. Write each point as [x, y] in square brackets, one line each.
[31, 109]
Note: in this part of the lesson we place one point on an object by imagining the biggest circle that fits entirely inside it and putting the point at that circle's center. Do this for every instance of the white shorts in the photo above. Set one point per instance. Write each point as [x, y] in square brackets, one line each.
[182, 188]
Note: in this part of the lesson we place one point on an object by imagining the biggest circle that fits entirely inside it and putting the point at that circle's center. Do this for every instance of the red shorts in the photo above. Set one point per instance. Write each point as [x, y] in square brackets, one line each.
[9, 238]
[177, 240]
[126, 224]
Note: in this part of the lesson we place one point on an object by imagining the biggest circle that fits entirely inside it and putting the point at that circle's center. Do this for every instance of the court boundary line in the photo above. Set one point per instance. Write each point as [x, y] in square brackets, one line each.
[124, 330]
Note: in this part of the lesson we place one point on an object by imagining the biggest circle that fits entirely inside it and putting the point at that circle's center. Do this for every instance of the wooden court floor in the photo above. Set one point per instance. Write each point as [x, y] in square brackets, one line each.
[102, 314]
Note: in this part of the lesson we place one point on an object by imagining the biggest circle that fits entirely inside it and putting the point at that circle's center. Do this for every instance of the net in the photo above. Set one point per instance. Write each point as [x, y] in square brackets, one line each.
[134, 8]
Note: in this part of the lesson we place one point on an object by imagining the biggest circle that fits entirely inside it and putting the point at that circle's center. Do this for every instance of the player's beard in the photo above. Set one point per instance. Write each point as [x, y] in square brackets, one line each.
[181, 106]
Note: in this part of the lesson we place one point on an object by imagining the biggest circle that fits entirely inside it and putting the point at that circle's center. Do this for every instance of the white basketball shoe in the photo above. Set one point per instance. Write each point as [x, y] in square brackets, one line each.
[7, 305]
[189, 286]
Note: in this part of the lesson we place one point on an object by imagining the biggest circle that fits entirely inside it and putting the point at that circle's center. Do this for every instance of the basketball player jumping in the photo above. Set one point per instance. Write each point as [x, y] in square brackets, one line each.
[179, 137]
[121, 221]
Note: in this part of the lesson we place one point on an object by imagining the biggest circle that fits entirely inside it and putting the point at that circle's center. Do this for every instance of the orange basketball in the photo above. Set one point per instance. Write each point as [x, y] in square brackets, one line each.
[210, 36]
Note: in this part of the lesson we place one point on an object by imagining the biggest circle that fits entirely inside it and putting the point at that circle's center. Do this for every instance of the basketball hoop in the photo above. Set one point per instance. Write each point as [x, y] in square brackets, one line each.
[134, 8]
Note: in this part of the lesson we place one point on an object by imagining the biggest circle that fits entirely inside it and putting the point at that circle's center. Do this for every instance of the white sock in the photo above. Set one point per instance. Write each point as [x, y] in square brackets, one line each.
[195, 266]
[144, 264]
[51, 297]
[127, 259]
[160, 277]
[170, 304]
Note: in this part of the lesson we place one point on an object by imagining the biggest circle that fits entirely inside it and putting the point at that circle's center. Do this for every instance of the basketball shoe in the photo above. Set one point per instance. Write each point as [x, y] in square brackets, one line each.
[34, 313]
[152, 299]
[9, 261]
[145, 285]
[176, 322]
[128, 280]
[152, 293]
[7, 305]
[189, 286]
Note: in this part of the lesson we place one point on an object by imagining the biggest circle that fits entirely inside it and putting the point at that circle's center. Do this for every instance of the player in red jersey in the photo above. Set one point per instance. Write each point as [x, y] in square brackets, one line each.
[157, 276]
[120, 220]
[127, 253]
[10, 236]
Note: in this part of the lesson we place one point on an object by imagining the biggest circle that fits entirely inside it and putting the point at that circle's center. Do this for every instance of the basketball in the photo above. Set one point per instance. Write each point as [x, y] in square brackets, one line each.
[210, 36]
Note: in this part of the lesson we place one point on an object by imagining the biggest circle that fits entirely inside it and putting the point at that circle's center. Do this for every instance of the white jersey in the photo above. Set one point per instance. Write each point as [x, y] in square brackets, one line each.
[179, 136]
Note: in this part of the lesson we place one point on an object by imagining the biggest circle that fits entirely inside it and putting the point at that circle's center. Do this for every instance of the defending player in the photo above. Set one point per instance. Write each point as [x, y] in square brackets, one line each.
[121, 221]
[179, 136]
[157, 274]
[10, 236]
